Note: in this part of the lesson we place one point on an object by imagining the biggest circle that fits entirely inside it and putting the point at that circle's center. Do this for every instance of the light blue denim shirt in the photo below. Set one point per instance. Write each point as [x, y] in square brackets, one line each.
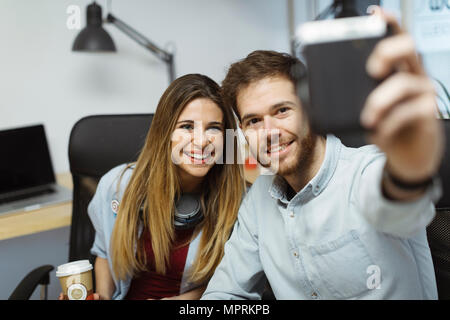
[102, 211]
[338, 238]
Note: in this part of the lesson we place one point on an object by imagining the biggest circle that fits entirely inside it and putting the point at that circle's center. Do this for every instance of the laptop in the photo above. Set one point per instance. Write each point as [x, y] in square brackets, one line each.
[27, 179]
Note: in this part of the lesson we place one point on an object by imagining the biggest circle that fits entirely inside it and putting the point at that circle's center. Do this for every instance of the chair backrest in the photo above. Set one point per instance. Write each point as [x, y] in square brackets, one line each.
[438, 231]
[97, 144]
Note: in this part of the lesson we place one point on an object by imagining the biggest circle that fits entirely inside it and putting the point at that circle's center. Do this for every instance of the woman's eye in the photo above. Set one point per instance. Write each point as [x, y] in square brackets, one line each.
[187, 126]
[282, 110]
[215, 128]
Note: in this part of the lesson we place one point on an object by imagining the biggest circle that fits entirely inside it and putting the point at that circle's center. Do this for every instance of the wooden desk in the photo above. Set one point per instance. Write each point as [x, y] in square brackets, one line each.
[24, 223]
[55, 216]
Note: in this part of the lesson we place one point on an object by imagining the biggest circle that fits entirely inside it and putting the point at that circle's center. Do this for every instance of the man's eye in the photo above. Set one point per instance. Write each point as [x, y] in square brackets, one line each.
[252, 121]
[283, 110]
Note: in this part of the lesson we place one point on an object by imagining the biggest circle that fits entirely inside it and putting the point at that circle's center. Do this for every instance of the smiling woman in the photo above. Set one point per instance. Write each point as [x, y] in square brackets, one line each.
[197, 141]
[150, 256]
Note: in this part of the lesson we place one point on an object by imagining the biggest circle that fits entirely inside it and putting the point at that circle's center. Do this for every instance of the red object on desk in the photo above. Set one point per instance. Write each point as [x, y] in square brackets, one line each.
[250, 163]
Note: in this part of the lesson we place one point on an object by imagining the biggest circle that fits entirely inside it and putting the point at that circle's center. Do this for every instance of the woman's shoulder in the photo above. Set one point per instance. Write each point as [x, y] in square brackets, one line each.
[109, 191]
[116, 178]
[115, 173]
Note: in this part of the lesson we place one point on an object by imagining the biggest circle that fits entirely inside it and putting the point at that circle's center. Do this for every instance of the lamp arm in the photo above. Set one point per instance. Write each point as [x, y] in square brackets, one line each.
[146, 43]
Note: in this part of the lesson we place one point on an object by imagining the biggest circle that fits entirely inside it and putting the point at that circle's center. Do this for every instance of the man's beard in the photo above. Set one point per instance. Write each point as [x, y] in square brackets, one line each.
[303, 160]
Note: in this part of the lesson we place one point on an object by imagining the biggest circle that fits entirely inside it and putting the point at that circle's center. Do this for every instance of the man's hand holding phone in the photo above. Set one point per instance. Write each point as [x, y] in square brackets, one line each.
[400, 114]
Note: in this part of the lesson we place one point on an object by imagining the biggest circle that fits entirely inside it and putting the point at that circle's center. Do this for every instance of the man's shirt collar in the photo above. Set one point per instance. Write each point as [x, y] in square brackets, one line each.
[279, 187]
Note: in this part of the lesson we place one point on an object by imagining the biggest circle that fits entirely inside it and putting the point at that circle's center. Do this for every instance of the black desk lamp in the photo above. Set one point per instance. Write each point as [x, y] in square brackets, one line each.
[346, 8]
[93, 38]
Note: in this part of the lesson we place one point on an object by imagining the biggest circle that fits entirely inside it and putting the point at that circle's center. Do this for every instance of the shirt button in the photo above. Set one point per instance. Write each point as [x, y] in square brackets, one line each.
[295, 254]
[291, 214]
[314, 295]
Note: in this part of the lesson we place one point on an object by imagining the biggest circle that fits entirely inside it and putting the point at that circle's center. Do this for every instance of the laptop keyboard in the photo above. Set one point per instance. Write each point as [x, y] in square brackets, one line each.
[26, 196]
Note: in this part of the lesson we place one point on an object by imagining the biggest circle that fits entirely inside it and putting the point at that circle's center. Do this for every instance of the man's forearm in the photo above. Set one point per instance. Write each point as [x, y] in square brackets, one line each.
[402, 218]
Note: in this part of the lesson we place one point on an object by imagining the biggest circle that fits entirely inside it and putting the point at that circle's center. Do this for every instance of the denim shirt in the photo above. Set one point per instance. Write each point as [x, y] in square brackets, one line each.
[102, 211]
[338, 238]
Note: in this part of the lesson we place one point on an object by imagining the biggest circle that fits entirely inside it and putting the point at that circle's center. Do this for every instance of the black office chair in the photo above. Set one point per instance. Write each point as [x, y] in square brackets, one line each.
[438, 231]
[97, 144]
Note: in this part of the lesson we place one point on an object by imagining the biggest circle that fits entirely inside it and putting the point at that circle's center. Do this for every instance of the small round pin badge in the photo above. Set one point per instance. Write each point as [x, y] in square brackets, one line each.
[115, 206]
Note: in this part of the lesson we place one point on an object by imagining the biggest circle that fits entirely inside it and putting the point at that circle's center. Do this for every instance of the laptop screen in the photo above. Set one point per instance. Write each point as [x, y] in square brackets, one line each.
[24, 159]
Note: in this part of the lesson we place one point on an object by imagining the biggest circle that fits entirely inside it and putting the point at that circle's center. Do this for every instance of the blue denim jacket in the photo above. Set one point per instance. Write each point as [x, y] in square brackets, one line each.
[102, 211]
[338, 238]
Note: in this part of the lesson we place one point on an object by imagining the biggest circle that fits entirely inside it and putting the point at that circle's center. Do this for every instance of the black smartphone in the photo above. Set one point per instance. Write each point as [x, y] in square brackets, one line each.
[336, 52]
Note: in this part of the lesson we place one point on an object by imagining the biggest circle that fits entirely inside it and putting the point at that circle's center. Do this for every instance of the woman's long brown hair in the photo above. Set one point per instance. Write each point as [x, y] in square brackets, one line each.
[155, 184]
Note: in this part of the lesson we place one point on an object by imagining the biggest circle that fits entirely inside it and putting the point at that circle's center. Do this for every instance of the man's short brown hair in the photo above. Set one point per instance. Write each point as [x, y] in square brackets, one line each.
[256, 66]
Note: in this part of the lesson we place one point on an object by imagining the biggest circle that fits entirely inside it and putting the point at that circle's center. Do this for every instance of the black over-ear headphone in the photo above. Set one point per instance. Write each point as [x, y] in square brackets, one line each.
[188, 211]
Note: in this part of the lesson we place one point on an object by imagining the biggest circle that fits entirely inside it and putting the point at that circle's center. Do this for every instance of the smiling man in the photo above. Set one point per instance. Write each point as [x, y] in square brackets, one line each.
[334, 222]
[276, 127]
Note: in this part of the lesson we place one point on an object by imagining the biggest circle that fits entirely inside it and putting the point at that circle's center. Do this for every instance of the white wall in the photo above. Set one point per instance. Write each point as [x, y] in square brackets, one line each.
[43, 81]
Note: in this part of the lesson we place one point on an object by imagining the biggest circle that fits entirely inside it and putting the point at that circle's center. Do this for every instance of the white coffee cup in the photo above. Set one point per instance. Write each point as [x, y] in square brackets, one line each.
[76, 280]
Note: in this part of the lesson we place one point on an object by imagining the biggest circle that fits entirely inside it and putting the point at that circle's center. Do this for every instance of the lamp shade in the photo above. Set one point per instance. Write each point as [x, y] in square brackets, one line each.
[93, 37]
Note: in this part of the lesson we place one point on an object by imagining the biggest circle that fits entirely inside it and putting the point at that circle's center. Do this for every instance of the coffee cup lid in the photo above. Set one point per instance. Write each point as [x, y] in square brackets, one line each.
[74, 267]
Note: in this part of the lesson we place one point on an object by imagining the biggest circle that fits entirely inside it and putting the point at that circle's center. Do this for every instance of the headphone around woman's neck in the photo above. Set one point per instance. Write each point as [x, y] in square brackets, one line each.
[188, 211]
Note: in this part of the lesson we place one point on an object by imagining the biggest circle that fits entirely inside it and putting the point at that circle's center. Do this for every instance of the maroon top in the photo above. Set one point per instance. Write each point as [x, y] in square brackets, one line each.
[151, 285]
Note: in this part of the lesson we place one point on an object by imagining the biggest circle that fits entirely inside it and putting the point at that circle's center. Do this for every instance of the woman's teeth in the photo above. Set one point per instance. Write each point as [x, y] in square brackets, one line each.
[198, 156]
